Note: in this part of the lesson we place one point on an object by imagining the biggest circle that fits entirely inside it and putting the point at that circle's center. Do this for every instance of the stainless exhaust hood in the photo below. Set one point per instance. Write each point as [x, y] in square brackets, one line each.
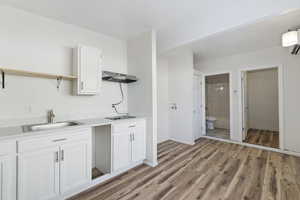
[117, 77]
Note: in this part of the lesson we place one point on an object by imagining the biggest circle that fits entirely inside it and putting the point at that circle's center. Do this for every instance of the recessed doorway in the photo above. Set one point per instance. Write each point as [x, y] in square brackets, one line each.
[261, 107]
[217, 105]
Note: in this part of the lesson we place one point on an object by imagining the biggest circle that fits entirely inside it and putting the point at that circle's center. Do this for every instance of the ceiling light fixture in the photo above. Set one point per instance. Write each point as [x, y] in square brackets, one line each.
[291, 38]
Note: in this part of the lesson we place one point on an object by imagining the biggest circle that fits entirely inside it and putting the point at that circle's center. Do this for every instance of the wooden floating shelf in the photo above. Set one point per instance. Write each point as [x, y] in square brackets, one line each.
[36, 74]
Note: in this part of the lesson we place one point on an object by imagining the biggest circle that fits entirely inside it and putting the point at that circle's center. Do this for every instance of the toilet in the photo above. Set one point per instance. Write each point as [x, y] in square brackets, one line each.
[210, 123]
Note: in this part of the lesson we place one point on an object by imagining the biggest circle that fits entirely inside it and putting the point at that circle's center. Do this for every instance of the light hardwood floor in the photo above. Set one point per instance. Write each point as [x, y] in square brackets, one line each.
[263, 138]
[209, 170]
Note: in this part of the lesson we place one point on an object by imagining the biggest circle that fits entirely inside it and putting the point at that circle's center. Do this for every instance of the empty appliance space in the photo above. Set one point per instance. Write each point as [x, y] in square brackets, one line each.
[101, 148]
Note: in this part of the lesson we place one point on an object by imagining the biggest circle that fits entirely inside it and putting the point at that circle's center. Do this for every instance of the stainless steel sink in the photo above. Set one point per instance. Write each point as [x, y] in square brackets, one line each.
[41, 127]
[120, 117]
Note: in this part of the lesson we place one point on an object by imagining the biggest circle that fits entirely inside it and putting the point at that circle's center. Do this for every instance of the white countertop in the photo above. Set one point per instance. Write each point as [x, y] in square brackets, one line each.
[17, 131]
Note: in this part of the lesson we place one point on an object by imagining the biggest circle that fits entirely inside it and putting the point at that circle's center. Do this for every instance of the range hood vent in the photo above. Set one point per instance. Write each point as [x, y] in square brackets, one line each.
[117, 77]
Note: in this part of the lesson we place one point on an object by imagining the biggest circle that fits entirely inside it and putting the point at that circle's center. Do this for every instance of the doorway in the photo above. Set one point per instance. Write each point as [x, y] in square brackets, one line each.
[217, 119]
[261, 107]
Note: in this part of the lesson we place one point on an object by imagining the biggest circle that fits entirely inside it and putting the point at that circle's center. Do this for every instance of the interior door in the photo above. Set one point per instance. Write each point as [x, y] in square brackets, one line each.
[197, 110]
[38, 174]
[121, 150]
[244, 105]
[138, 144]
[75, 165]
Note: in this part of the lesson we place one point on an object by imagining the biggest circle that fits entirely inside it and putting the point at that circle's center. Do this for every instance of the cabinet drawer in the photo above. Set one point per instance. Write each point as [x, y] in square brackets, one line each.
[7, 147]
[124, 127]
[32, 144]
[128, 126]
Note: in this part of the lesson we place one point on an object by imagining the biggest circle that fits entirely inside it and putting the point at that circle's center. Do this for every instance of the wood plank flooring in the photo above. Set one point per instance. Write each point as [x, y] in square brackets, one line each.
[210, 170]
[262, 137]
[219, 133]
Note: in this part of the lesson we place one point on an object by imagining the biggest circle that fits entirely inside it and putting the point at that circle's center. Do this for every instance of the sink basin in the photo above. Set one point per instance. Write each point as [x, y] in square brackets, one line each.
[41, 127]
[120, 117]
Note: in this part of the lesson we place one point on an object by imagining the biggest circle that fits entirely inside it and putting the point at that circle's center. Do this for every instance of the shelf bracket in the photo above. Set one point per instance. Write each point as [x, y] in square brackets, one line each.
[2, 79]
[59, 80]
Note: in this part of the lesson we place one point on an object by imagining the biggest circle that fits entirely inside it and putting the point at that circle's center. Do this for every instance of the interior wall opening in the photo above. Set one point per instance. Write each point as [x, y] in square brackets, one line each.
[217, 106]
[261, 107]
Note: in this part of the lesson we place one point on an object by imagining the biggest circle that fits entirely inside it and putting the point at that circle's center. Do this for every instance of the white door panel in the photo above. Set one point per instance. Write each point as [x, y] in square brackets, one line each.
[75, 166]
[38, 174]
[121, 151]
[197, 112]
[7, 177]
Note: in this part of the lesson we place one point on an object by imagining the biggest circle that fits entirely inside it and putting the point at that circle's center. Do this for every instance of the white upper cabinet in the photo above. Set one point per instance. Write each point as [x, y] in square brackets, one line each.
[87, 67]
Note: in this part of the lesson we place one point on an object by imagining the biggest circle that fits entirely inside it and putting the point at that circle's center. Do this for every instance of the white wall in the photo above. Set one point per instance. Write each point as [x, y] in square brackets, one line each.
[262, 99]
[162, 100]
[267, 57]
[31, 42]
[142, 95]
[181, 72]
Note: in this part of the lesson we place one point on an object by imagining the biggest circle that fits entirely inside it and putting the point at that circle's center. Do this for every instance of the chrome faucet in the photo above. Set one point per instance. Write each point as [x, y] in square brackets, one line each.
[51, 116]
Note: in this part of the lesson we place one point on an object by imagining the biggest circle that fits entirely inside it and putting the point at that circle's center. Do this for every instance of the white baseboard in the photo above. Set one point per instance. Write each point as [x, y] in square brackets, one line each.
[150, 163]
[255, 146]
[184, 142]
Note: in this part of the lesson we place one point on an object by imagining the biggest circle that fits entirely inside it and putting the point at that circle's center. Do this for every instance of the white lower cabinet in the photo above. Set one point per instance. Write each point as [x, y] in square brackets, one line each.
[138, 145]
[8, 177]
[38, 176]
[129, 144]
[121, 151]
[55, 171]
[75, 168]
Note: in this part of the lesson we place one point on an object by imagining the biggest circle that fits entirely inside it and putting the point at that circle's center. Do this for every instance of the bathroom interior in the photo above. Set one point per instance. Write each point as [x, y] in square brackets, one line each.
[217, 108]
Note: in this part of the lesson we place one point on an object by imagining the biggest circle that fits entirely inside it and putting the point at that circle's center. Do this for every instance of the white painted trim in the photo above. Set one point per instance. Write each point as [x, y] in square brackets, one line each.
[230, 100]
[199, 74]
[281, 84]
[183, 142]
[151, 164]
[255, 146]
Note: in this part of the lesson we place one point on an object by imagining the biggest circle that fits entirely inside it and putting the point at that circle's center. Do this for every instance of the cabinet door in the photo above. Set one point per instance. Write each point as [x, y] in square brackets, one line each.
[75, 166]
[38, 174]
[7, 177]
[121, 151]
[89, 70]
[138, 144]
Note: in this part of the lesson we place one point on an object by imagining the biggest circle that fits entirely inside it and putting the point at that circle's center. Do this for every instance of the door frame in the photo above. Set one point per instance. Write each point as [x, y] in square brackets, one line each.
[199, 75]
[280, 71]
[204, 75]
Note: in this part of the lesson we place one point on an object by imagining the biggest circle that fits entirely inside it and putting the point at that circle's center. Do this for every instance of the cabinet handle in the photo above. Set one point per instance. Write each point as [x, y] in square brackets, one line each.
[56, 157]
[131, 126]
[62, 155]
[59, 140]
[133, 136]
[81, 85]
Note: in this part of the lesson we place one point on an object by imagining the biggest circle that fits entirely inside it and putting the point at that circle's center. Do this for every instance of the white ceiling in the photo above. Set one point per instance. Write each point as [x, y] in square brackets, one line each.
[177, 21]
[252, 37]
